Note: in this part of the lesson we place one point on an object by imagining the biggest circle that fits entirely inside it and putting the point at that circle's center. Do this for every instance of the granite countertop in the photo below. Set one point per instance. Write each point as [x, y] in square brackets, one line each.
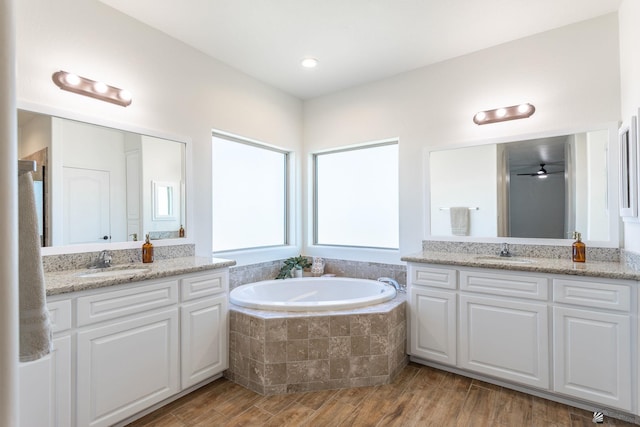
[612, 270]
[61, 282]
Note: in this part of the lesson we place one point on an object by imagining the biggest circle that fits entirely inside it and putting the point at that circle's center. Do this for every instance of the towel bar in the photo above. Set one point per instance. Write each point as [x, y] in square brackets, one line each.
[471, 209]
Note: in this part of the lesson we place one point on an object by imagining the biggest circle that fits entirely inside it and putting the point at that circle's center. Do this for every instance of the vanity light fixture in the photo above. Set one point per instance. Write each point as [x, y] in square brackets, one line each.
[514, 112]
[98, 90]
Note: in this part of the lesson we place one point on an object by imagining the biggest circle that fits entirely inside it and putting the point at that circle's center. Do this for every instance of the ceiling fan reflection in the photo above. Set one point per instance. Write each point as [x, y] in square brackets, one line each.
[540, 173]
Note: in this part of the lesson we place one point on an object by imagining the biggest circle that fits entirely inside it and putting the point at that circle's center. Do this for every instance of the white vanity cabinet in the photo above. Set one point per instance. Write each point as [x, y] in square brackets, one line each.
[593, 340]
[567, 336]
[432, 317]
[504, 326]
[45, 384]
[128, 351]
[204, 327]
[119, 350]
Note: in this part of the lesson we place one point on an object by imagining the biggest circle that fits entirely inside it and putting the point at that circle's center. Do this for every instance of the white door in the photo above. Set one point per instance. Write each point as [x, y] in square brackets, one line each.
[505, 338]
[432, 324]
[204, 339]
[86, 206]
[592, 356]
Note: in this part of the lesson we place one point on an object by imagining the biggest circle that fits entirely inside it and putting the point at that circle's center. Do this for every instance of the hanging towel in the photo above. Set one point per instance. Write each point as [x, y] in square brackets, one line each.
[35, 328]
[459, 221]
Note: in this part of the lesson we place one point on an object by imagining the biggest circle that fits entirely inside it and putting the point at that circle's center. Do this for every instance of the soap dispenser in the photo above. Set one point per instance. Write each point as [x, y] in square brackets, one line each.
[579, 249]
[147, 250]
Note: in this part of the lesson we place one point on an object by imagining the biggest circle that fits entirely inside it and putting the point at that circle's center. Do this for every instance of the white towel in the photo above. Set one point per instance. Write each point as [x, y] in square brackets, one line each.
[459, 221]
[35, 328]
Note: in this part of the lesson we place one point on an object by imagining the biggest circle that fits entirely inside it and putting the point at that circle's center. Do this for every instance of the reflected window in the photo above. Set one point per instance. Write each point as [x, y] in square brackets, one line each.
[249, 194]
[356, 197]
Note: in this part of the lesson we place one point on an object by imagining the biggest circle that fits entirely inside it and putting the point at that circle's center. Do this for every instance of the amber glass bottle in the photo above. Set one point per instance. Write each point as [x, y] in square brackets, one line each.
[181, 231]
[147, 250]
[579, 249]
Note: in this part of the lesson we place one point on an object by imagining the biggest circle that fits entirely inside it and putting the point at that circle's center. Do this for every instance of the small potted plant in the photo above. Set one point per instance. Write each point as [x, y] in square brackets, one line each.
[293, 267]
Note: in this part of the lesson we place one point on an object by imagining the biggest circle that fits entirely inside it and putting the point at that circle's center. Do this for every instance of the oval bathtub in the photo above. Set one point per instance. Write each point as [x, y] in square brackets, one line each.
[312, 294]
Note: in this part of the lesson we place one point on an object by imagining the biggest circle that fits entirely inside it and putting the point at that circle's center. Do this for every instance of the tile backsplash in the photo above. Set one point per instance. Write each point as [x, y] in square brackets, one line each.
[242, 275]
[75, 261]
[533, 251]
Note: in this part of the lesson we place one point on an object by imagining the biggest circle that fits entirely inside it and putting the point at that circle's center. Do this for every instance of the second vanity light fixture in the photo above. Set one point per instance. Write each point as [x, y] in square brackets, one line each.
[98, 90]
[514, 112]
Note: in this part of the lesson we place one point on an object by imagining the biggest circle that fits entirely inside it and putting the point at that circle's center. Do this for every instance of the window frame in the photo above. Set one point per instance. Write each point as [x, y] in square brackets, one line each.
[288, 162]
[314, 214]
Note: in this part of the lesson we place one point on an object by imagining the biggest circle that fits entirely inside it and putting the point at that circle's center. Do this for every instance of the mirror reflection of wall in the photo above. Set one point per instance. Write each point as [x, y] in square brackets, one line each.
[504, 181]
[97, 185]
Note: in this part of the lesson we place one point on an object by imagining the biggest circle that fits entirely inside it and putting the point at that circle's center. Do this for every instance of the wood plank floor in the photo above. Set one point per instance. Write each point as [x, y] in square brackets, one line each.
[420, 396]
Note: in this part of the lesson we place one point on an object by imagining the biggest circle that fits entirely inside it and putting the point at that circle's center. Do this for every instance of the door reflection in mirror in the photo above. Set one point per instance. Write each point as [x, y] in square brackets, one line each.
[76, 209]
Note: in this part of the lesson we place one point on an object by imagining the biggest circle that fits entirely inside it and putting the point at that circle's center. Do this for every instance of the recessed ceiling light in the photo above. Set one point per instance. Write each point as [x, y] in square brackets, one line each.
[309, 62]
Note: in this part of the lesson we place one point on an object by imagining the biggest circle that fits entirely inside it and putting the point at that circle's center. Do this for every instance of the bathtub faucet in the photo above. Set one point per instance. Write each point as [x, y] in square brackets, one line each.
[394, 283]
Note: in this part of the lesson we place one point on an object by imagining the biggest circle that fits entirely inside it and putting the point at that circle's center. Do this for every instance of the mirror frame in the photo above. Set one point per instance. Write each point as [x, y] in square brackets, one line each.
[615, 222]
[98, 121]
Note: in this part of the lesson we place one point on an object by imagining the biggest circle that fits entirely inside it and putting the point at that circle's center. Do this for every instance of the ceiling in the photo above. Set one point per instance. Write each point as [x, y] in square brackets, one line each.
[355, 41]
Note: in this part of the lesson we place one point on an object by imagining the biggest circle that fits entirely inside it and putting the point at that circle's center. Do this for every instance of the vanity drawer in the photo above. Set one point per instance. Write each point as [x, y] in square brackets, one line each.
[114, 304]
[59, 315]
[595, 294]
[202, 285]
[505, 284]
[436, 277]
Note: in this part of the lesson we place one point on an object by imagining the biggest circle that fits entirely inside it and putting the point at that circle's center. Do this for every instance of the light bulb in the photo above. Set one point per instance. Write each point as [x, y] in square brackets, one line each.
[501, 112]
[72, 79]
[125, 95]
[100, 87]
[523, 108]
[481, 116]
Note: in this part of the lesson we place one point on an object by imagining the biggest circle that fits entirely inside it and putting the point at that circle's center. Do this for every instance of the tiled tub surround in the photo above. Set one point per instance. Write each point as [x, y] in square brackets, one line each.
[281, 352]
[74, 261]
[356, 269]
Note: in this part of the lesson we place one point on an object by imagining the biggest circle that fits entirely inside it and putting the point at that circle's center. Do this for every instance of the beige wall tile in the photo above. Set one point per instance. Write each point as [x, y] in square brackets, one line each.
[297, 350]
[297, 329]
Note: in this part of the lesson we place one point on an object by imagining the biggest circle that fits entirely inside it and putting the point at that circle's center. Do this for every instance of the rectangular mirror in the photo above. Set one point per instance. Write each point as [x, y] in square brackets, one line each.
[100, 184]
[540, 188]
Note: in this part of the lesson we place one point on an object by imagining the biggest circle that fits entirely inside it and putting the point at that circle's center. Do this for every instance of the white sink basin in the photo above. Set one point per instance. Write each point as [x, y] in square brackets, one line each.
[115, 272]
[504, 260]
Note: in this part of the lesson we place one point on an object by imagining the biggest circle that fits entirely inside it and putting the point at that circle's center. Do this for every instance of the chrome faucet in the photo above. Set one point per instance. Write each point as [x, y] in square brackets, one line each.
[394, 283]
[103, 260]
[505, 250]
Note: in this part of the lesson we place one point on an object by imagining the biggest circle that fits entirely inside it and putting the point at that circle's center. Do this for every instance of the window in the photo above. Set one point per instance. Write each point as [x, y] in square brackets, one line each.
[249, 194]
[356, 197]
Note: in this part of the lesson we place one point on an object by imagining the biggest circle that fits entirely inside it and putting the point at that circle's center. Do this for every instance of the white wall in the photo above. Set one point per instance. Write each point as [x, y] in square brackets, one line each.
[464, 177]
[570, 74]
[162, 163]
[177, 90]
[8, 220]
[34, 135]
[629, 16]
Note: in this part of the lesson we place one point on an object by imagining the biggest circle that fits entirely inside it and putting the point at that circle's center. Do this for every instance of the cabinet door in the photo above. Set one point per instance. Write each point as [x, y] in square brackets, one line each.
[45, 388]
[126, 366]
[205, 333]
[592, 356]
[505, 338]
[432, 324]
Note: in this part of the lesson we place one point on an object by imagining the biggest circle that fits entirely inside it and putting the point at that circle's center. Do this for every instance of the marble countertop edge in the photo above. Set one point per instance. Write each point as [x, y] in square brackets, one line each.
[67, 281]
[603, 269]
